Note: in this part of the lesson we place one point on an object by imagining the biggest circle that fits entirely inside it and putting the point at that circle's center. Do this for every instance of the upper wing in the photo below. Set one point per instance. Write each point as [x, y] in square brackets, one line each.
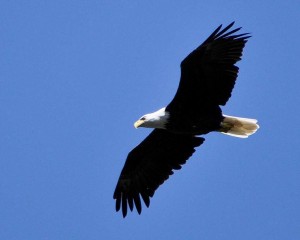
[149, 164]
[208, 73]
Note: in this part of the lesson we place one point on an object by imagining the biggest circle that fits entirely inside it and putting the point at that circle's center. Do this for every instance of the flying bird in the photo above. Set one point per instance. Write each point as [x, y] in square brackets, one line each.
[208, 75]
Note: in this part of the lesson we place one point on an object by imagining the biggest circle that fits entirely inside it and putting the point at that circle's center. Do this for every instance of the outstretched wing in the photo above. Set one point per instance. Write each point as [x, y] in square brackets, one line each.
[208, 73]
[149, 165]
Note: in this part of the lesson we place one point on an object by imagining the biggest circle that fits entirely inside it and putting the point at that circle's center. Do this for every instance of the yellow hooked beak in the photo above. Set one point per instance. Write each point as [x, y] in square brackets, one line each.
[138, 123]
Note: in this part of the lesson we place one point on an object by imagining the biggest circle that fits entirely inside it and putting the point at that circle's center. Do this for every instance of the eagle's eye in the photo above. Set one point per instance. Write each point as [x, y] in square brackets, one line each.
[143, 118]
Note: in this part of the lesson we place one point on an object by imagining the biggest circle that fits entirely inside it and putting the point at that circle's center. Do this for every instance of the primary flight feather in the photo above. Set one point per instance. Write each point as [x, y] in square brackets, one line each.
[208, 75]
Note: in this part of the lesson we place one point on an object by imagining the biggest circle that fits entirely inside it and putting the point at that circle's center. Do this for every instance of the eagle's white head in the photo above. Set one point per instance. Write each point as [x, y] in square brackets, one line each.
[156, 119]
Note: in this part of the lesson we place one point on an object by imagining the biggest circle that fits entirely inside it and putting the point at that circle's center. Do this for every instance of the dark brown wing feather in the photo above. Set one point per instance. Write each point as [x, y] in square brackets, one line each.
[208, 73]
[149, 165]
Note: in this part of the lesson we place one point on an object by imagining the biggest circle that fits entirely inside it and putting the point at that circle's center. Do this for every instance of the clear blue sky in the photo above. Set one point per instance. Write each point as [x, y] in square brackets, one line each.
[75, 75]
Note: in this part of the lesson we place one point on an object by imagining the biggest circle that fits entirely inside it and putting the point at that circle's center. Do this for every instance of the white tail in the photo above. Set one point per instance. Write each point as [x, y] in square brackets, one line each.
[238, 127]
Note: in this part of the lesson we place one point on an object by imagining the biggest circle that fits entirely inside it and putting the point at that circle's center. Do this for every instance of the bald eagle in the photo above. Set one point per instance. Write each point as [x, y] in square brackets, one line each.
[208, 76]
